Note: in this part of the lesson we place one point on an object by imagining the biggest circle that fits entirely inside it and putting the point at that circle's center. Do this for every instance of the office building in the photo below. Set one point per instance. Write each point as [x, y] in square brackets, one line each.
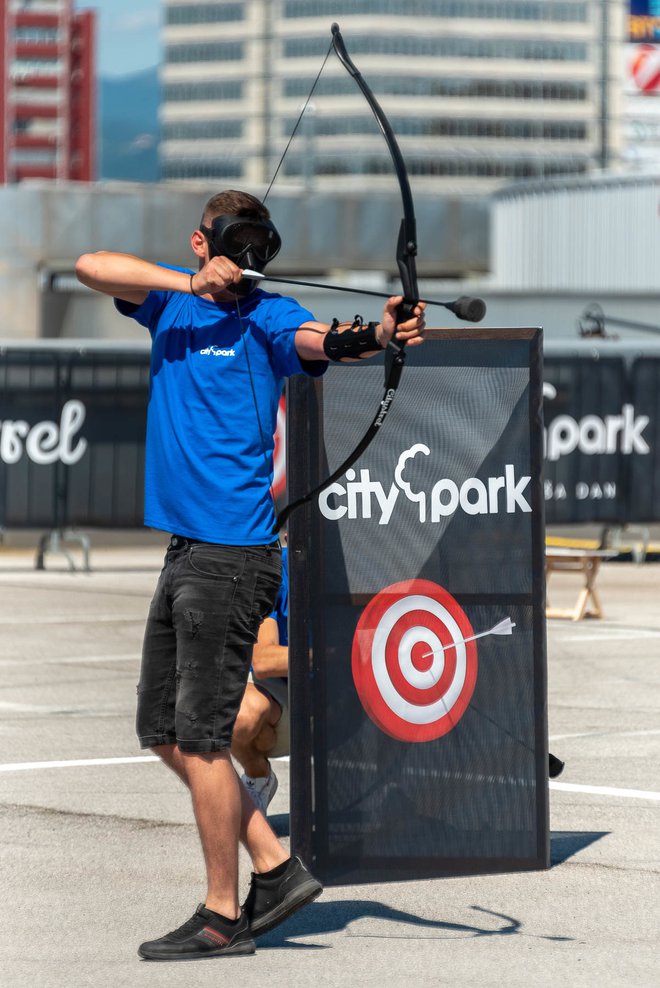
[47, 91]
[479, 92]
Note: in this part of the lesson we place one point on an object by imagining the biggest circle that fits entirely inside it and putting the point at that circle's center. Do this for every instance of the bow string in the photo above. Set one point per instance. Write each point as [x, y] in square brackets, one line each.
[406, 252]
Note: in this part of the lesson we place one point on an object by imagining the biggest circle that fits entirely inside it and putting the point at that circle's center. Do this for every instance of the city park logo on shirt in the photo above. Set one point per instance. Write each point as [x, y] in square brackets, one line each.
[216, 351]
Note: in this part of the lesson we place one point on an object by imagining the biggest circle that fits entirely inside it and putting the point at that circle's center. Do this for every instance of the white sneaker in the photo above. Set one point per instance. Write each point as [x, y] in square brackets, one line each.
[261, 790]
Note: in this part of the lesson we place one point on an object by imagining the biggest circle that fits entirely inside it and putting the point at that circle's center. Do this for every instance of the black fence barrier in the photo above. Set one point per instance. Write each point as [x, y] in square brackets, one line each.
[644, 475]
[72, 427]
[602, 447]
[586, 415]
[417, 632]
[72, 436]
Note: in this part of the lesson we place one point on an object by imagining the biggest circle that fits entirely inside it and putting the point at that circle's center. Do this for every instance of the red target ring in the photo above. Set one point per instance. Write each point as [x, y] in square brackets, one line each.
[410, 694]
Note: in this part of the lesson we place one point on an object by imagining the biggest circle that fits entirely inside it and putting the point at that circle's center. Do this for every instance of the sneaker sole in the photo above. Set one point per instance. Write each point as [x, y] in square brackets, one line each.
[241, 949]
[272, 792]
[291, 903]
[261, 803]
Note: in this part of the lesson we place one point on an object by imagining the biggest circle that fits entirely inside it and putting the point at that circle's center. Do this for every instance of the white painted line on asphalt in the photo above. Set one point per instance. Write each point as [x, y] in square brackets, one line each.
[69, 660]
[611, 634]
[605, 791]
[56, 708]
[135, 759]
[63, 619]
[83, 762]
[76, 763]
[76, 659]
[604, 734]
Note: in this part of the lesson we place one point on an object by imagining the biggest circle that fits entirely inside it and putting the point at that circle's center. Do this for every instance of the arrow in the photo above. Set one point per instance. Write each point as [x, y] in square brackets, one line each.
[504, 627]
[465, 307]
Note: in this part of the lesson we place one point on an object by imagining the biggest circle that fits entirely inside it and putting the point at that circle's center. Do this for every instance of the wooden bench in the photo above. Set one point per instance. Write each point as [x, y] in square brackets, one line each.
[585, 561]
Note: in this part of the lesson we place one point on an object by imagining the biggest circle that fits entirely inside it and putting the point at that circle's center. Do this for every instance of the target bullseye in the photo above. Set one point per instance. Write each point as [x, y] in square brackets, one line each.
[420, 659]
[413, 668]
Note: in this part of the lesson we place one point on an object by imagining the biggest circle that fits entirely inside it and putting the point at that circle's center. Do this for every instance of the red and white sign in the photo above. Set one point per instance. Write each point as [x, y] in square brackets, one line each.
[643, 69]
[413, 666]
[278, 487]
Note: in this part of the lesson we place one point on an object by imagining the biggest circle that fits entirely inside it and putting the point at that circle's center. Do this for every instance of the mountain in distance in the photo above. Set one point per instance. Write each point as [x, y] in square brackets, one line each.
[129, 132]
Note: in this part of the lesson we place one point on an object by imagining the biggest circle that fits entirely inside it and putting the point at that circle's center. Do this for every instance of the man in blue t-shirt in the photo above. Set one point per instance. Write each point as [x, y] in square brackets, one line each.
[221, 349]
[261, 731]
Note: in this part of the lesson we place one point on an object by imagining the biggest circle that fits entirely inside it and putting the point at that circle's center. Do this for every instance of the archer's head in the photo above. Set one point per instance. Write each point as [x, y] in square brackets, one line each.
[238, 226]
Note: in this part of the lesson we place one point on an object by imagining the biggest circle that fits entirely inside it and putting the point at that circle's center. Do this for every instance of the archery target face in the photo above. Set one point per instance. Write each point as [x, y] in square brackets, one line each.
[407, 693]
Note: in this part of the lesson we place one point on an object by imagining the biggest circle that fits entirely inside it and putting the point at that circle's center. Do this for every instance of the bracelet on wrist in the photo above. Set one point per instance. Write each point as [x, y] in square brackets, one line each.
[192, 290]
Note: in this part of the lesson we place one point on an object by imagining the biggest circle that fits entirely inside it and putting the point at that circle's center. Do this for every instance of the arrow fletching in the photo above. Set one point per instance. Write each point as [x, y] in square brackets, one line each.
[505, 627]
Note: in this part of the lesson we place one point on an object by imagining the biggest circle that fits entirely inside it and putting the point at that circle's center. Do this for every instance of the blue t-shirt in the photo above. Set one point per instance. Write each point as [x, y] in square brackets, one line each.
[209, 463]
[281, 612]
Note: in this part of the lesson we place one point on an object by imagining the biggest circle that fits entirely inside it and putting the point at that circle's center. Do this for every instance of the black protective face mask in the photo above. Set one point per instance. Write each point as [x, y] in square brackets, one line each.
[250, 243]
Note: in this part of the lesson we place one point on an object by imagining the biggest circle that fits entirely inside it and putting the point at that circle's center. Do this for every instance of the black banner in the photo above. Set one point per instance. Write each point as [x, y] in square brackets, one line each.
[72, 427]
[601, 448]
[419, 743]
[589, 438]
[643, 494]
[72, 435]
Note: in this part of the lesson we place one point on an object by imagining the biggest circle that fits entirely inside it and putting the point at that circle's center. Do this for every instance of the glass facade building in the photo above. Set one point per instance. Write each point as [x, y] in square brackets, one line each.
[478, 91]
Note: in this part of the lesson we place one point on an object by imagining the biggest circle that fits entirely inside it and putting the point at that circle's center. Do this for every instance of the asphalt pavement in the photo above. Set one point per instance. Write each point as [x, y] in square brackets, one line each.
[99, 850]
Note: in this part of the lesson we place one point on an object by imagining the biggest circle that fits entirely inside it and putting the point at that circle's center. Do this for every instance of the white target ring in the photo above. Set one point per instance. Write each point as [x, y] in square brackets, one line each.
[413, 669]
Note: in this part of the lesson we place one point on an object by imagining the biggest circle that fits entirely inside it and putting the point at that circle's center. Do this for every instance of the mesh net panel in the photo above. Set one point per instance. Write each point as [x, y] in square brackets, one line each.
[438, 497]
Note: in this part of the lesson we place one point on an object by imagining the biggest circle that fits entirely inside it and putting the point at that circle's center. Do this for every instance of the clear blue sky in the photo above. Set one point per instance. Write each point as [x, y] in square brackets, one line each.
[128, 34]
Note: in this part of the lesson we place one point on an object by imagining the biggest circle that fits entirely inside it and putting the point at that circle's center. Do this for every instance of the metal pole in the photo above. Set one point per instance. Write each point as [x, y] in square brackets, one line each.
[267, 82]
[604, 83]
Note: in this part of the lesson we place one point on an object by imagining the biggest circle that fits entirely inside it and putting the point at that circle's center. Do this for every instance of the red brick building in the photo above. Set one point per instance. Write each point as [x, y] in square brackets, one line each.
[47, 91]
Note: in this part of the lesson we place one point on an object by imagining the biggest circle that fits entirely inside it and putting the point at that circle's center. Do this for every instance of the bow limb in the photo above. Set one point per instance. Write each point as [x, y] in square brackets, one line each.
[405, 256]
[406, 250]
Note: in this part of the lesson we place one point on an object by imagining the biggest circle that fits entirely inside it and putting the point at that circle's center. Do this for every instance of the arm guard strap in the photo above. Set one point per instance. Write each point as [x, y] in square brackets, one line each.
[352, 342]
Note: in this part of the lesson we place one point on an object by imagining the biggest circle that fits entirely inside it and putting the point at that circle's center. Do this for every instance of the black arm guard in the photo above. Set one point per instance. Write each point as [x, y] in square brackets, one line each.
[352, 342]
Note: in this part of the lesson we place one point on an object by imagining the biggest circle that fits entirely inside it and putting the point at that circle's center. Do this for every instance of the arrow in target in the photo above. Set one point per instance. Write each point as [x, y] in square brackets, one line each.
[504, 627]
[411, 697]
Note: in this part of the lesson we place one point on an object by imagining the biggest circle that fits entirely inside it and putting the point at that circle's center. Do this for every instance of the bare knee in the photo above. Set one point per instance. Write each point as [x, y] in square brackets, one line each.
[251, 716]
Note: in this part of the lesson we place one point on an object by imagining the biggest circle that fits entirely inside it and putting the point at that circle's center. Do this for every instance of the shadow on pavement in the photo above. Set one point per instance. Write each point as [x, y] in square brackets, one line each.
[564, 844]
[332, 917]
[280, 824]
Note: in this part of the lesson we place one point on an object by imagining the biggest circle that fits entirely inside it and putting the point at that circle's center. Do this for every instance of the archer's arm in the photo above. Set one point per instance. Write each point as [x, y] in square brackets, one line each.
[269, 658]
[130, 278]
[309, 337]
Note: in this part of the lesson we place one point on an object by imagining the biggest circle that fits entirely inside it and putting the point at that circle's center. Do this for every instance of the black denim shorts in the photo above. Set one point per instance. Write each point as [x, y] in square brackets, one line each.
[202, 625]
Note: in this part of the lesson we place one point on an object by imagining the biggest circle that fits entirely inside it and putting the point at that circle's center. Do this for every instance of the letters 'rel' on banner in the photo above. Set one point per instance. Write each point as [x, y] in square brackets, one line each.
[72, 425]
[417, 642]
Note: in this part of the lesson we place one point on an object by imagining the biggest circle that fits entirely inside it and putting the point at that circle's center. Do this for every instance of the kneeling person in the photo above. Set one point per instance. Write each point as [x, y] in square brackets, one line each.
[261, 731]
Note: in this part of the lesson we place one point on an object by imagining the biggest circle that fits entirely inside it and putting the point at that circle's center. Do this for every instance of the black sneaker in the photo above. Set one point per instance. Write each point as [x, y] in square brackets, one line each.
[555, 766]
[206, 934]
[270, 900]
